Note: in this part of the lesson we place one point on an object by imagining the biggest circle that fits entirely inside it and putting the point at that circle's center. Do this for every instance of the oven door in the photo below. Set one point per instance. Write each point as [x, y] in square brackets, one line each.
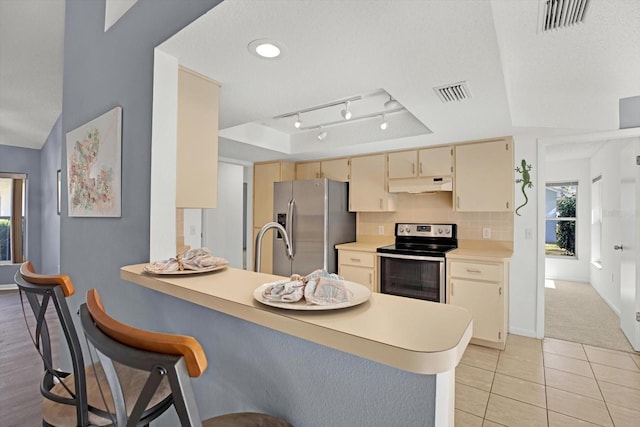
[412, 276]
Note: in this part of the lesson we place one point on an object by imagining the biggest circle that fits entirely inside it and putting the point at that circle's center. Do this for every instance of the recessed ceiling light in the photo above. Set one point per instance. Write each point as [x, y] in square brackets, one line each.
[266, 49]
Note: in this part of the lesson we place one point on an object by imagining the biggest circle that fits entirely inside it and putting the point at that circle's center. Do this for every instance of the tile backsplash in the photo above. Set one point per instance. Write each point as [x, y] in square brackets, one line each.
[435, 208]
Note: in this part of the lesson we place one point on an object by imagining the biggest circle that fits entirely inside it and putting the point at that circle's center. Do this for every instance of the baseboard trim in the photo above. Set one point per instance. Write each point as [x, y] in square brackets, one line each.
[523, 332]
[9, 287]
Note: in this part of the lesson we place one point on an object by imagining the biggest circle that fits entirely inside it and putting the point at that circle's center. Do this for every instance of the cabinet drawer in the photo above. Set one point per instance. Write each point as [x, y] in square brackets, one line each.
[362, 259]
[477, 271]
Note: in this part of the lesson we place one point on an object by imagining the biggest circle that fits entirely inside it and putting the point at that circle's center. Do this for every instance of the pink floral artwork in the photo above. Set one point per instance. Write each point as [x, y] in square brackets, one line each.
[93, 167]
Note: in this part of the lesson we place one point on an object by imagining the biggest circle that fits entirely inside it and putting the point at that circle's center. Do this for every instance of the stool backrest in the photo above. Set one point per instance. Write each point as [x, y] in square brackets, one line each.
[42, 290]
[175, 357]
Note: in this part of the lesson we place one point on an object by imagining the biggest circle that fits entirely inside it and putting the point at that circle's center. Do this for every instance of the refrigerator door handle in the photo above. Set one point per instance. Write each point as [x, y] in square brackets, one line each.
[289, 220]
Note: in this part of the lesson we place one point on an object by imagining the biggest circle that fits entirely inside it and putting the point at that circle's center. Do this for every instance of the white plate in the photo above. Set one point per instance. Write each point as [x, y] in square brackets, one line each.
[359, 294]
[149, 269]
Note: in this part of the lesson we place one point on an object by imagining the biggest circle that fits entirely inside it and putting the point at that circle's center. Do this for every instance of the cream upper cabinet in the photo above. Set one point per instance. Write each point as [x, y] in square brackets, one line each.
[264, 175]
[197, 148]
[436, 161]
[367, 188]
[403, 164]
[308, 170]
[484, 178]
[481, 287]
[335, 169]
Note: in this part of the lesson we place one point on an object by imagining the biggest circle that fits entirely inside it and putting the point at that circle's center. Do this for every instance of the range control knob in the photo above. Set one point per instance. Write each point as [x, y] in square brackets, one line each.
[440, 231]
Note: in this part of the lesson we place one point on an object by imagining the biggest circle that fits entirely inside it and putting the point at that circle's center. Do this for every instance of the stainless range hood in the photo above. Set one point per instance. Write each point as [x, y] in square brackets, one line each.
[421, 184]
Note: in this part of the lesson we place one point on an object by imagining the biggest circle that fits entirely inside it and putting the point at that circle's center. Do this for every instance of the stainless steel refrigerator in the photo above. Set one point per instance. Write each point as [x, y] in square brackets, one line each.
[316, 215]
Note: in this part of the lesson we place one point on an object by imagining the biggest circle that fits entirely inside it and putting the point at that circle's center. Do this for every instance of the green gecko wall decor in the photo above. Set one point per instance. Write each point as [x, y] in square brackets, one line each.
[525, 180]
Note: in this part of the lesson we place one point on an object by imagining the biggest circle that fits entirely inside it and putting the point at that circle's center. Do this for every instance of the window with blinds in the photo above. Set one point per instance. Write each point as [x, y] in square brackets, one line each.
[12, 217]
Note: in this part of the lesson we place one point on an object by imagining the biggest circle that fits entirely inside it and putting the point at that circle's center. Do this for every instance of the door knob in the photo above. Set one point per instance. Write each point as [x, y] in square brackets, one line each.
[618, 248]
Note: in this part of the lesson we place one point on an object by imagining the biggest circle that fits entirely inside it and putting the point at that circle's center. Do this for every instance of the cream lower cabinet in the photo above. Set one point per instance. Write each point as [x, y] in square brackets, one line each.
[359, 267]
[481, 287]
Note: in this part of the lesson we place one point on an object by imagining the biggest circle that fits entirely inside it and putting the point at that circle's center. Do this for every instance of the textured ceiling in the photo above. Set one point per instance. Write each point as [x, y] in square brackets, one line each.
[522, 81]
[31, 56]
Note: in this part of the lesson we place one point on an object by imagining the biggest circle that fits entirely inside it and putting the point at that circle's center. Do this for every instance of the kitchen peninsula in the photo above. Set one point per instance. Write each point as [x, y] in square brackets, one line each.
[403, 372]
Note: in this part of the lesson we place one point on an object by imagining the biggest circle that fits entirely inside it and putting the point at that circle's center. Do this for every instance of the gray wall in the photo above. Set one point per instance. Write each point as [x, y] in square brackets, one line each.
[25, 160]
[50, 160]
[101, 71]
[251, 368]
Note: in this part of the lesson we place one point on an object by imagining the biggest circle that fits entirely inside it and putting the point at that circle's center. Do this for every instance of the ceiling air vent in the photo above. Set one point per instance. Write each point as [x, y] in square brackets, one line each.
[453, 92]
[556, 14]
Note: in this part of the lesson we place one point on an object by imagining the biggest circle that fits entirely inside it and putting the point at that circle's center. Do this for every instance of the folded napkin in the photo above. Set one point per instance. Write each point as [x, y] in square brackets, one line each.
[291, 291]
[193, 259]
[317, 288]
[324, 288]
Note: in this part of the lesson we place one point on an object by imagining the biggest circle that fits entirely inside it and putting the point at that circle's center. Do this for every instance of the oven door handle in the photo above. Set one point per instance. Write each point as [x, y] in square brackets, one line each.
[412, 257]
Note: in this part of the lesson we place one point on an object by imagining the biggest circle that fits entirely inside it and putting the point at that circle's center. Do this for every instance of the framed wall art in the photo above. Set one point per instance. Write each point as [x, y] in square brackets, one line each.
[94, 167]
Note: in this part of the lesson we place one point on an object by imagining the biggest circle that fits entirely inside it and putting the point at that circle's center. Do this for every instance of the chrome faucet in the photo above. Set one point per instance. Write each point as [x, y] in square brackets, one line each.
[285, 239]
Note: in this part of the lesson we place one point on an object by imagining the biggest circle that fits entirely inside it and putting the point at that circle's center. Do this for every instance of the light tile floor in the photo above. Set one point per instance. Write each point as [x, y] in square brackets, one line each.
[547, 382]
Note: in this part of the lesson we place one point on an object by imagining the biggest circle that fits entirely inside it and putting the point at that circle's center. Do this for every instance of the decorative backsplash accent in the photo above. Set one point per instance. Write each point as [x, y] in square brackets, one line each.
[435, 208]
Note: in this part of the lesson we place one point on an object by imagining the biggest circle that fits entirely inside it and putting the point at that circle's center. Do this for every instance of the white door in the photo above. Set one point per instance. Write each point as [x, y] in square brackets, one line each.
[630, 237]
[222, 229]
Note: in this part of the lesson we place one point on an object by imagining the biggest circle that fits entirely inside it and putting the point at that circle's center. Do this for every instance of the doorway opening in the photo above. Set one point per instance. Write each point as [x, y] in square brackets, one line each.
[581, 297]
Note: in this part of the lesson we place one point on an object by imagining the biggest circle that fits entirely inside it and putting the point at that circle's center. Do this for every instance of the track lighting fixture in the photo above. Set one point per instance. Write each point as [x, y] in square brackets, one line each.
[322, 134]
[346, 113]
[391, 104]
[384, 123]
[298, 123]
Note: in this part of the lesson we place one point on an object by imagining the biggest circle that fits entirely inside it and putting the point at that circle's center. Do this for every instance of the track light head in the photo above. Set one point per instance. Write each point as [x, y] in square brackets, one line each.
[346, 113]
[322, 134]
[298, 123]
[391, 104]
[384, 125]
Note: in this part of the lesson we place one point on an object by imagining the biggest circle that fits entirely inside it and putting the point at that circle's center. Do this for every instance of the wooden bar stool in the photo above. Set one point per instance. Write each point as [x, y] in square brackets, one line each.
[73, 398]
[162, 356]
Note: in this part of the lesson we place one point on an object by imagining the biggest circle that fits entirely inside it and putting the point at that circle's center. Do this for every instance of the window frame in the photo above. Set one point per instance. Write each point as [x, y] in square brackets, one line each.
[557, 219]
[17, 254]
[596, 221]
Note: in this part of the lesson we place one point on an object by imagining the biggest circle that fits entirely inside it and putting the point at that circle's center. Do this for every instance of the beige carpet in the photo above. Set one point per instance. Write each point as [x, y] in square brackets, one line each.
[575, 312]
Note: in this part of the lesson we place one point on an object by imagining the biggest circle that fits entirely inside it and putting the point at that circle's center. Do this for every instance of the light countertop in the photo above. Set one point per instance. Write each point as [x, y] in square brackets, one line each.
[480, 254]
[413, 335]
[488, 250]
[362, 246]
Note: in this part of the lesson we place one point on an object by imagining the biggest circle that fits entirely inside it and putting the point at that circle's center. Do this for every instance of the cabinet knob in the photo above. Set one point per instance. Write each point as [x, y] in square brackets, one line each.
[413, 168]
[355, 259]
